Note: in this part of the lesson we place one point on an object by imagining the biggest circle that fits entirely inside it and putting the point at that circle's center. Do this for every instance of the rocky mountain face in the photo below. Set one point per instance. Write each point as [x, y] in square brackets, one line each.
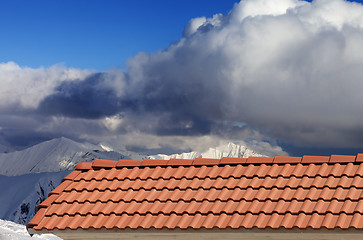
[21, 194]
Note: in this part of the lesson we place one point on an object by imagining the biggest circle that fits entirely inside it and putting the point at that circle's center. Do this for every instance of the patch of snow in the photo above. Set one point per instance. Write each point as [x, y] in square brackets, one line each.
[13, 231]
[105, 147]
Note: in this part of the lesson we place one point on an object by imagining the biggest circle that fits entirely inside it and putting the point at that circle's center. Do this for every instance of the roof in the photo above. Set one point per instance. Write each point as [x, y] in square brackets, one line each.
[310, 192]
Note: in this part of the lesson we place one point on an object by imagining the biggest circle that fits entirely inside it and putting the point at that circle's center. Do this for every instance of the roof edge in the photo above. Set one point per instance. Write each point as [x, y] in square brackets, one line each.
[322, 230]
[333, 159]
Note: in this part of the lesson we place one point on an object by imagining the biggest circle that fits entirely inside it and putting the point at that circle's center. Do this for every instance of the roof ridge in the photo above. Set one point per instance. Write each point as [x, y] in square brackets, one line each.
[306, 159]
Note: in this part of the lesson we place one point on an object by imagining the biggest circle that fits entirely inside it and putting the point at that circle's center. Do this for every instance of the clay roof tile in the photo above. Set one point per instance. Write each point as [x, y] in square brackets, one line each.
[101, 163]
[359, 157]
[315, 159]
[180, 162]
[259, 160]
[257, 192]
[128, 163]
[83, 166]
[154, 162]
[231, 160]
[341, 159]
[205, 161]
[286, 159]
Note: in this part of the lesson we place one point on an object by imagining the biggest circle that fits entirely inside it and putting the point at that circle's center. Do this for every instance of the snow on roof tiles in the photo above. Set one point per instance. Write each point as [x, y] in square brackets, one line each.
[276, 193]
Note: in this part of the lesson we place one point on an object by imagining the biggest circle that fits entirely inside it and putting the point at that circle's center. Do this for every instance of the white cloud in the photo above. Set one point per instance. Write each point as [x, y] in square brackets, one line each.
[26, 86]
[331, 13]
[291, 70]
[112, 123]
[255, 8]
[193, 26]
[276, 65]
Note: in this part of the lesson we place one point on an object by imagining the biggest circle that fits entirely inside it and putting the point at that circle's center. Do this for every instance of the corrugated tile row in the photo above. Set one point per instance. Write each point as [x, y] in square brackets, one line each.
[281, 192]
[217, 183]
[198, 221]
[212, 194]
[205, 207]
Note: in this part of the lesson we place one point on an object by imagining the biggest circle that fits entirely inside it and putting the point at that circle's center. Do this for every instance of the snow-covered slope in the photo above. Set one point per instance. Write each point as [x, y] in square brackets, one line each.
[228, 150]
[5, 149]
[14, 231]
[52, 156]
[27, 176]
[21, 194]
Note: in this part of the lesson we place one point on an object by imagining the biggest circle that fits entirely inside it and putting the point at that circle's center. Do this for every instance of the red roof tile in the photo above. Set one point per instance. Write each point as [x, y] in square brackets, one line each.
[154, 162]
[259, 160]
[83, 166]
[341, 159]
[359, 157]
[276, 193]
[230, 160]
[206, 161]
[180, 162]
[128, 163]
[315, 159]
[286, 159]
[101, 163]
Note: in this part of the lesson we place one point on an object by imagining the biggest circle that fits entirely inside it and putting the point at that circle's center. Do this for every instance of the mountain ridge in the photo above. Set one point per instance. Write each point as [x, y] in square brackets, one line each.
[227, 150]
[55, 155]
[39, 169]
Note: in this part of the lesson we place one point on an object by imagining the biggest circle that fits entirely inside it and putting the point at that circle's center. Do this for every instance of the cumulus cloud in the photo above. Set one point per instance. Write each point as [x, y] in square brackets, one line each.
[26, 87]
[283, 71]
[21, 91]
[291, 69]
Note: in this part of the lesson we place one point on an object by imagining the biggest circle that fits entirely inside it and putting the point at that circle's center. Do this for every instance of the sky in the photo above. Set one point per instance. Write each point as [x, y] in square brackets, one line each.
[283, 77]
[94, 34]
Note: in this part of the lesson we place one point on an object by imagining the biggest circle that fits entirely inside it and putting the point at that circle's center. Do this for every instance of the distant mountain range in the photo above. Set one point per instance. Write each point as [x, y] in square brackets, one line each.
[27, 176]
[61, 154]
[52, 156]
[227, 150]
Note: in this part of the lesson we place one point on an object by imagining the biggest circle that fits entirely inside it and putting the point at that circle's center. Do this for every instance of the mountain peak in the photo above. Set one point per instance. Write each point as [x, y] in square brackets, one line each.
[226, 150]
[52, 156]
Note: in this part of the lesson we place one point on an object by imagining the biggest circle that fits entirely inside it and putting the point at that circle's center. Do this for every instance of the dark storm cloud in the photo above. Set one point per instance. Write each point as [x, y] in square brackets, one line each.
[88, 98]
[183, 126]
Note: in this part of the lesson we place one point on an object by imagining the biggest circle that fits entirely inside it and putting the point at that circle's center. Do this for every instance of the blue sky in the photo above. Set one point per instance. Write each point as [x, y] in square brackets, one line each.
[282, 76]
[94, 34]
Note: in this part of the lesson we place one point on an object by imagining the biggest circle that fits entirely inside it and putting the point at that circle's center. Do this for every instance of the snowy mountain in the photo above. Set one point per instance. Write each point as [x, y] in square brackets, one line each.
[52, 156]
[14, 231]
[5, 149]
[21, 194]
[27, 176]
[44, 166]
[227, 150]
